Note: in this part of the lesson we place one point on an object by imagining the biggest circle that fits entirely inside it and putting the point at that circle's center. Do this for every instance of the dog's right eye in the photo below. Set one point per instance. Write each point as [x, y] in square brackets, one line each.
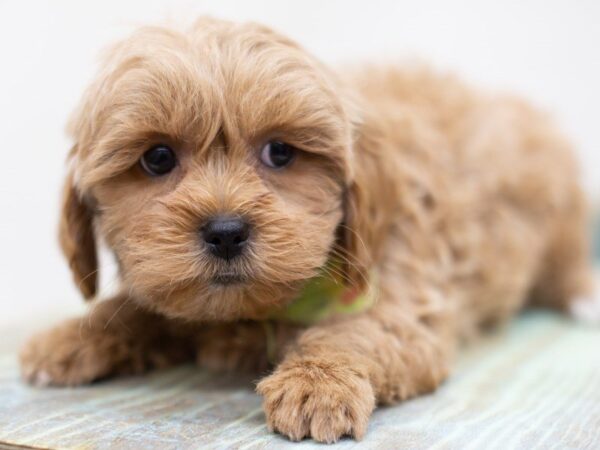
[159, 160]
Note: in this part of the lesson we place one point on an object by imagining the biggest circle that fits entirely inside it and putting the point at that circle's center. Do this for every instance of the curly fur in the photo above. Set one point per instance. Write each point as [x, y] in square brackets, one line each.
[465, 205]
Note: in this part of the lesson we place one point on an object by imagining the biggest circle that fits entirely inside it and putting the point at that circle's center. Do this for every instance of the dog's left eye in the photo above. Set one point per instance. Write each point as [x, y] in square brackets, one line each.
[276, 154]
[159, 160]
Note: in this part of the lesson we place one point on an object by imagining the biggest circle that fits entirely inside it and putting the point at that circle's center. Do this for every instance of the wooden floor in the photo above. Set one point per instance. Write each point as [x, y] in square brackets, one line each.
[534, 385]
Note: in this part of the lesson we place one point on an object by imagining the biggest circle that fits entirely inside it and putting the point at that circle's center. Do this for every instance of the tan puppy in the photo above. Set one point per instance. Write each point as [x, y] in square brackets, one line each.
[224, 167]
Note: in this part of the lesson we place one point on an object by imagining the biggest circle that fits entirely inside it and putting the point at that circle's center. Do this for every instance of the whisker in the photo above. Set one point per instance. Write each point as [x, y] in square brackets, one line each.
[355, 234]
[117, 312]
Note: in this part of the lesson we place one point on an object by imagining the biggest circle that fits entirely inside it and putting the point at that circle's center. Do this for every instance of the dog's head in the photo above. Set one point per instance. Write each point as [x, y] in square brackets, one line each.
[217, 166]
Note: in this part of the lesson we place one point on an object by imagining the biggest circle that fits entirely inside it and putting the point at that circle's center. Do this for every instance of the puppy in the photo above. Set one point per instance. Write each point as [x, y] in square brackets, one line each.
[234, 177]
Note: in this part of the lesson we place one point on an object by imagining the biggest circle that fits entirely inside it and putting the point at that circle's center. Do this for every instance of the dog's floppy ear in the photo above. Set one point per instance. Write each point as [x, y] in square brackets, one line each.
[353, 238]
[76, 235]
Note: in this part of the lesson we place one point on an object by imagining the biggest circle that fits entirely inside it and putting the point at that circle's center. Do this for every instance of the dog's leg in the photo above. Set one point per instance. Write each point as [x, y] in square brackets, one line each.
[566, 281]
[247, 346]
[328, 385]
[114, 338]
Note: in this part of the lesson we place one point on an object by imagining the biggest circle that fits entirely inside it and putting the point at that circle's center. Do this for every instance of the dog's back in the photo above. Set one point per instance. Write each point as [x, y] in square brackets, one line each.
[492, 179]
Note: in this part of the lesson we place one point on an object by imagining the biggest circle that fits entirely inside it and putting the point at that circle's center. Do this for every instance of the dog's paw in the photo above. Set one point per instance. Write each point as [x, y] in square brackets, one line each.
[321, 401]
[70, 355]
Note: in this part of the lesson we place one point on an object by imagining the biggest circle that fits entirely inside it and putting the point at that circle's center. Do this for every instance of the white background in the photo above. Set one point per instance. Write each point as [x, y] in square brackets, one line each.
[547, 50]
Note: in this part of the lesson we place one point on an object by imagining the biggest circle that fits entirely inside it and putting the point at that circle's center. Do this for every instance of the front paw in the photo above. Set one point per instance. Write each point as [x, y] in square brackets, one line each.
[71, 354]
[317, 399]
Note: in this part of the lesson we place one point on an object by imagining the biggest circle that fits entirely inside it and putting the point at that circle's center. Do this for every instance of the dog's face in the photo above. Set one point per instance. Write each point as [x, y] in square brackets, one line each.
[214, 164]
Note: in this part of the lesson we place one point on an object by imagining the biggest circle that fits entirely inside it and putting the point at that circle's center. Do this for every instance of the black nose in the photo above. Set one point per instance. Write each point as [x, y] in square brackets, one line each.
[225, 236]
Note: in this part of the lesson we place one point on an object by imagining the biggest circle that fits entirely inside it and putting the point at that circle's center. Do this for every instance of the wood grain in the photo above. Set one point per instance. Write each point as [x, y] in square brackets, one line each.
[535, 384]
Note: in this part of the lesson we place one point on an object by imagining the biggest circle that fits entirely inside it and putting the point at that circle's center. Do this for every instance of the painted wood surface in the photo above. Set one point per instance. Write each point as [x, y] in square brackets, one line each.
[535, 384]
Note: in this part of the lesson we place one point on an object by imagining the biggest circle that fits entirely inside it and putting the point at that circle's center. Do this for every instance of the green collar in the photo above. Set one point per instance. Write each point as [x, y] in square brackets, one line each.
[324, 296]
